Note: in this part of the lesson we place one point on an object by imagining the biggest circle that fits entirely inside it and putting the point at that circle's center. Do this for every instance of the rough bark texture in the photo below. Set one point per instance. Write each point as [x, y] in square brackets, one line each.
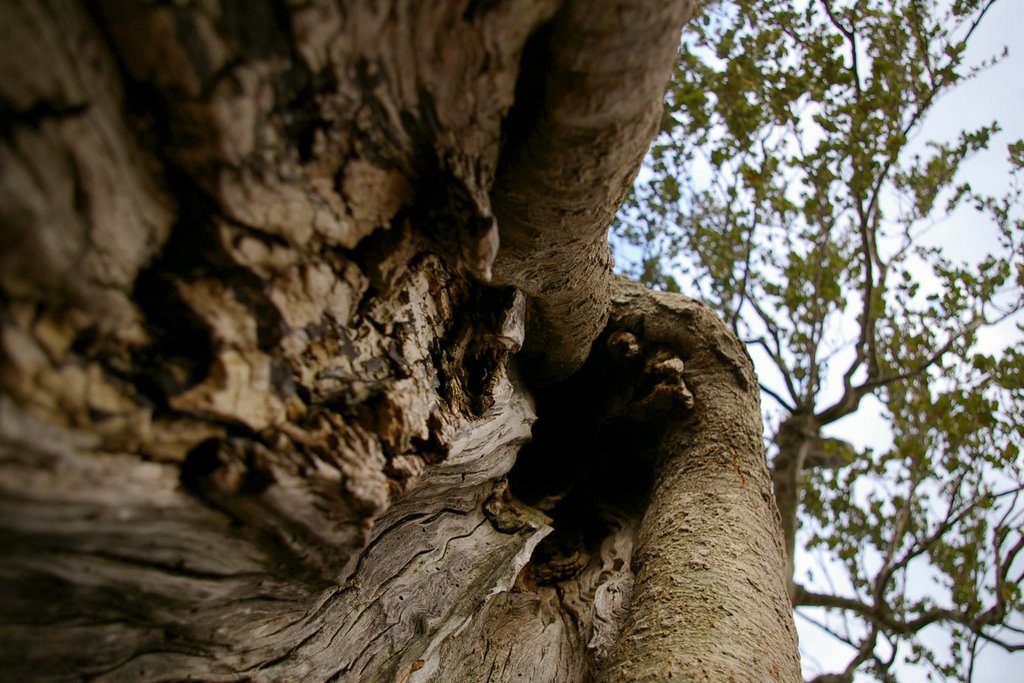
[261, 416]
[709, 602]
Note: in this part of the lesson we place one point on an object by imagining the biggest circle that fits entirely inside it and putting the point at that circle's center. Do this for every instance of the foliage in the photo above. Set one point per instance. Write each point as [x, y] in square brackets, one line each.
[787, 189]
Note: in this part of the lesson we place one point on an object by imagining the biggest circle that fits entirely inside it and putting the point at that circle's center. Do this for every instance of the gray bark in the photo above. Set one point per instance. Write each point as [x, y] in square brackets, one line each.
[262, 416]
[569, 164]
[800, 448]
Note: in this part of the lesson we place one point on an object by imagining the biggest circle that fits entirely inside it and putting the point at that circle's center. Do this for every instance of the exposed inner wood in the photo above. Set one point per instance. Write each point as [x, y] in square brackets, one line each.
[285, 289]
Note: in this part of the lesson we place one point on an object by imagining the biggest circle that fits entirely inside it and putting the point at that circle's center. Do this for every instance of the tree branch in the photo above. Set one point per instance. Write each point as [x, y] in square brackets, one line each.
[852, 395]
[571, 156]
[779, 399]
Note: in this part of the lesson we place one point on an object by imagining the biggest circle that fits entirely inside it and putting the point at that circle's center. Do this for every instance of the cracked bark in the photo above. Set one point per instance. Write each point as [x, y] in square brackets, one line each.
[262, 413]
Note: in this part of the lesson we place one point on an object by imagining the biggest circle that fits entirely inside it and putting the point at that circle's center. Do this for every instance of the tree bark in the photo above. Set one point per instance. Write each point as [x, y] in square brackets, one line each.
[262, 415]
[709, 602]
[574, 147]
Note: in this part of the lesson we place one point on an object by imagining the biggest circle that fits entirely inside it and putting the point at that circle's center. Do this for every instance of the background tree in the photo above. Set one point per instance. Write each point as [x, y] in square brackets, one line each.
[787, 188]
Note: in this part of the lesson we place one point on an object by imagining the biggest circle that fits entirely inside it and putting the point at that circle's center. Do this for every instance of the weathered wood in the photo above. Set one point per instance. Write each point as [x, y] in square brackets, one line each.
[249, 420]
[107, 550]
[263, 416]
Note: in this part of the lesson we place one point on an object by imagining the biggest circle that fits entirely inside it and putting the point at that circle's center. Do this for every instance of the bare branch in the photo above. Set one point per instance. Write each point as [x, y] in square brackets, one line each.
[776, 353]
[778, 399]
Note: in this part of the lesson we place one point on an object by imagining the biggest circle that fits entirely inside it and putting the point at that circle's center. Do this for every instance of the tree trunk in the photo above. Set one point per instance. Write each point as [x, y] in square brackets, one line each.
[795, 439]
[800, 448]
[266, 270]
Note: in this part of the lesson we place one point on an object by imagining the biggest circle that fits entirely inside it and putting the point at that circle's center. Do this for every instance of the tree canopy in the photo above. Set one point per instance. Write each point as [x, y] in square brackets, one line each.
[789, 187]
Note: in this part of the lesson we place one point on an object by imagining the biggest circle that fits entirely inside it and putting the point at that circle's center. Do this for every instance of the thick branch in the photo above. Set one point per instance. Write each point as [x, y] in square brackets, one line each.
[572, 154]
[710, 596]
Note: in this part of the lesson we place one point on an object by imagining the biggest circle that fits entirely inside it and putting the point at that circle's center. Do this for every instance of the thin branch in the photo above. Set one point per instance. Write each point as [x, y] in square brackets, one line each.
[866, 652]
[919, 113]
[778, 399]
[776, 353]
[851, 37]
[818, 326]
[868, 215]
[879, 613]
[972, 652]
[845, 639]
[852, 395]
[889, 566]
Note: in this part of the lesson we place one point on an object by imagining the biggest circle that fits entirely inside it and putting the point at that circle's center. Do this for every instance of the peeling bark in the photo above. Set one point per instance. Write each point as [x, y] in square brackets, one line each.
[263, 416]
